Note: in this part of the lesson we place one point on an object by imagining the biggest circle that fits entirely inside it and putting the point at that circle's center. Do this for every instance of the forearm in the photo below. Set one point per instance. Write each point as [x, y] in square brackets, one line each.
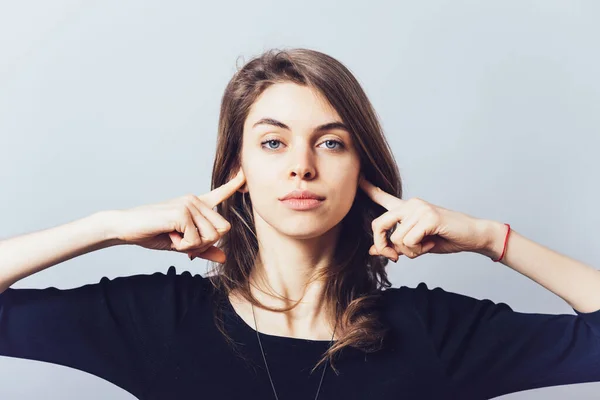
[25, 255]
[577, 283]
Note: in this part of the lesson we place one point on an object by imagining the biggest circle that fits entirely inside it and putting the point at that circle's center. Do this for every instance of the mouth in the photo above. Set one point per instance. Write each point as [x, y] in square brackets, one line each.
[302, 200]
[302, 204]
[302, 195]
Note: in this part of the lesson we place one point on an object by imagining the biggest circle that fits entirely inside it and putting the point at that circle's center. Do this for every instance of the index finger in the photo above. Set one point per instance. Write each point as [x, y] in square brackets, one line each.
[379, 196]
[224, 191]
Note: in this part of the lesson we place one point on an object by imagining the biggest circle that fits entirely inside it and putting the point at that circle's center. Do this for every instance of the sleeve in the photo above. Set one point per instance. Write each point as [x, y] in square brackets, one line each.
[489, 350]
[114, 329]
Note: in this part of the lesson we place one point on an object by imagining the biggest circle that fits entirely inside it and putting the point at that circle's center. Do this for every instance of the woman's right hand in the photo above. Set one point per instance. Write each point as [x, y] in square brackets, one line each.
[187, 224]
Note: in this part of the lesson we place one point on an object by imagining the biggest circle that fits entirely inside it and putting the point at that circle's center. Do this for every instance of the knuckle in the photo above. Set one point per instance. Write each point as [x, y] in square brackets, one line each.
[202, 200]
[402, 248]
[425, 208]
[185, 245]
[212, 237]
[181, 200]
[226, 227]
[199, 236]
[190, 198]
[431, 210]
[417, 201]
[375, 224]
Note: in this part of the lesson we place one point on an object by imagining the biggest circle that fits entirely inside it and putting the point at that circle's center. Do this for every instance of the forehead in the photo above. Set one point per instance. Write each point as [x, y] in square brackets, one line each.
[292, 104]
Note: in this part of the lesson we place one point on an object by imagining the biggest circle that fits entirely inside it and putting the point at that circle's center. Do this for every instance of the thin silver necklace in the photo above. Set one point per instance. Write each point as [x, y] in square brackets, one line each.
[267, 366]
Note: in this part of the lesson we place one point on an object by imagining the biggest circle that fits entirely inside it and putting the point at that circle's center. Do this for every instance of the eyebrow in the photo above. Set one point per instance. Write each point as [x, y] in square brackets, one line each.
[320, 128]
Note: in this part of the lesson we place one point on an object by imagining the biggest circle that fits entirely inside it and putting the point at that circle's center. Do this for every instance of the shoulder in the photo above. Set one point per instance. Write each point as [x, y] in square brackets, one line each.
[434, 301]
[142, 307]
[180, 287]
[423, 295]
[182, 280]
[406, 296]
[152, 291]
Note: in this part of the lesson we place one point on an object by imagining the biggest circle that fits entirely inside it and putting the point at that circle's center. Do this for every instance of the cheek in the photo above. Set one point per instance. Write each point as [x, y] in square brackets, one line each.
[261, 183]
[342, 193]
[257, 170]
[345, 191]
[344, 178]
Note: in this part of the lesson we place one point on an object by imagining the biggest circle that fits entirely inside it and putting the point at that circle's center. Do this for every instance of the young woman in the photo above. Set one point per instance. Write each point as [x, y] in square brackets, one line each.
[309, 209]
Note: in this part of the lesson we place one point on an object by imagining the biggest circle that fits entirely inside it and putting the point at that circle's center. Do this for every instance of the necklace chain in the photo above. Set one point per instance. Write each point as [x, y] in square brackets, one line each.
[267, 366]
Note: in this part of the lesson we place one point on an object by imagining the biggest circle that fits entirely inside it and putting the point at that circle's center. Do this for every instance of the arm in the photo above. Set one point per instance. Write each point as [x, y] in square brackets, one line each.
[25, 255]
[487, 349]
[121, 329]
[577, 283]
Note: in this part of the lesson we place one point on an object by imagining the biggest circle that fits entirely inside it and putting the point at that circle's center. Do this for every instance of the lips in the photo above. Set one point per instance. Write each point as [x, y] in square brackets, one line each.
[302, 194]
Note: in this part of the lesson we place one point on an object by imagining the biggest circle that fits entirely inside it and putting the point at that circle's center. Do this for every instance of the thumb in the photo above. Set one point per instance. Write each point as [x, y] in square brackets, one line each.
[213, 253]
[176, 238]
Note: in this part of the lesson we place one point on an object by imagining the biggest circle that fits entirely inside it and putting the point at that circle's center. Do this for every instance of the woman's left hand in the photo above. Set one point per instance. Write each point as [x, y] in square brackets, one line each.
[424, 227]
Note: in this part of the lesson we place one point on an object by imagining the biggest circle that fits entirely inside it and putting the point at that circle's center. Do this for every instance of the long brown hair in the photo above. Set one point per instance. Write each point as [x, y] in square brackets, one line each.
[353, 283]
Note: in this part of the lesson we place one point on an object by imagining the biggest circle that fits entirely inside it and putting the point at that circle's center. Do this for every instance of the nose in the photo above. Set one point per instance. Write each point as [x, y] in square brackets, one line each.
[303, 165]
[303, 171]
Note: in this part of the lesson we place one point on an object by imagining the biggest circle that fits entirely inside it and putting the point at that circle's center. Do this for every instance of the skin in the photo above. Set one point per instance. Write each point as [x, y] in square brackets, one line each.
[293, 243]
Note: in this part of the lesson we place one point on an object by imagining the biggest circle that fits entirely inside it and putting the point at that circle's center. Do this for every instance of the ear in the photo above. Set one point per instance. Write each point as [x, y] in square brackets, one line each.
[244, 187]
[360, 177]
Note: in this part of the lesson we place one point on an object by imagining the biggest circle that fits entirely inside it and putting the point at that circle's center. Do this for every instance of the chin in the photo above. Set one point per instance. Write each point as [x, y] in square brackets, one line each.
[305, 229]
[302, 229]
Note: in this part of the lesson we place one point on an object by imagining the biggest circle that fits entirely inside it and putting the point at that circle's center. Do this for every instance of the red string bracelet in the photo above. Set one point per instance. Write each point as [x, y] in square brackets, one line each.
[505, 242]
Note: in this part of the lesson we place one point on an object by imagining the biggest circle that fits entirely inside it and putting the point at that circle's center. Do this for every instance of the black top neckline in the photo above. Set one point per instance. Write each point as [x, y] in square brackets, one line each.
[239, 321]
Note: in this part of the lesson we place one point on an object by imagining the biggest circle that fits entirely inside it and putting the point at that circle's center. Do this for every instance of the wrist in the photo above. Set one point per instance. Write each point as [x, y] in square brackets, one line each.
[492, 234]
[107, 223]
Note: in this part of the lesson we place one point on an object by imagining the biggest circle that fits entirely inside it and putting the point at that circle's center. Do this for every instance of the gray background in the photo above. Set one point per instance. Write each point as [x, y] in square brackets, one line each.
[491, 109]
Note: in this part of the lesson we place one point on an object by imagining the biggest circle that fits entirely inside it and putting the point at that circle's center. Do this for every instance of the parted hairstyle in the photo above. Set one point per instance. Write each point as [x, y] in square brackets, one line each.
[355, 279]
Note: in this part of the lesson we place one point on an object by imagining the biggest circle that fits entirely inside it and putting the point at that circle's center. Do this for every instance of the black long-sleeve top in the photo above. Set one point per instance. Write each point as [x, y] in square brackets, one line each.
[154, 336]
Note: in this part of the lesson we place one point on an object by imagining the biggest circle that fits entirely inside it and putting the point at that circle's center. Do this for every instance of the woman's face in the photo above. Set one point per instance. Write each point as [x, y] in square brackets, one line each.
[283, 150]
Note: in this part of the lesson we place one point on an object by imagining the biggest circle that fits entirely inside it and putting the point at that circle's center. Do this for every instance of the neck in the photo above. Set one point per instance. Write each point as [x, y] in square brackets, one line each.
[282, 276]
